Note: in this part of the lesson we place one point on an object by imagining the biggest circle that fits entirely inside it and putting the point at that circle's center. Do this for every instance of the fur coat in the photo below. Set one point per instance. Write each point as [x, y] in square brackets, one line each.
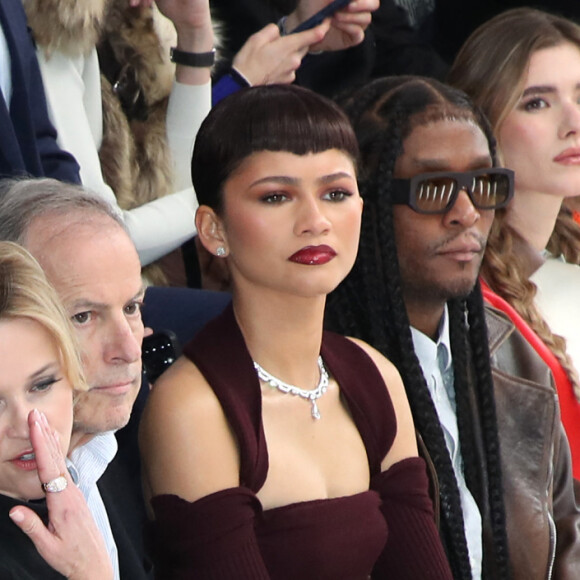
[133, 46]
[136, 80]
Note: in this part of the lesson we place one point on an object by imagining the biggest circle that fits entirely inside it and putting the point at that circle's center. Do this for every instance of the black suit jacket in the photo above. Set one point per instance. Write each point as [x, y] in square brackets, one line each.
[19, 559]
[27, 139]
[120, 488]
[121, 493]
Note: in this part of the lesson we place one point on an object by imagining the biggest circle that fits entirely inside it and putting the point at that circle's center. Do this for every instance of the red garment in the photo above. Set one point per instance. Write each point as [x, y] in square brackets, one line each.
[227, 535]
[569, 405]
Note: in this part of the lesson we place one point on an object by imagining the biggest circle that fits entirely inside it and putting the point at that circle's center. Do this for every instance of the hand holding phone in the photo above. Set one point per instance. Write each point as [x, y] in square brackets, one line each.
[317, 18]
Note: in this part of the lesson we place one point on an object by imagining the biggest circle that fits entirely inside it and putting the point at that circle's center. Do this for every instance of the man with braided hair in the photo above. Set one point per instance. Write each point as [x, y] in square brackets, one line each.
[483, 402]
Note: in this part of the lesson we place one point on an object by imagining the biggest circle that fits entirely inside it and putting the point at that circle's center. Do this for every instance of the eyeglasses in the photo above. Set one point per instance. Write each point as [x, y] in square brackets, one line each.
[433, 193]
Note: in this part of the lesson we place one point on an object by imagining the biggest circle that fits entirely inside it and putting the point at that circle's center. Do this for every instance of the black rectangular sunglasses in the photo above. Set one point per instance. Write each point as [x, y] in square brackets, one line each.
[433, 193]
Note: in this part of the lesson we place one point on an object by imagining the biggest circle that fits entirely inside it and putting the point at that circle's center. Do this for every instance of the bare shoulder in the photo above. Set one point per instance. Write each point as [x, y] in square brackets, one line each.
[180, 394]
[388, 371]
[181, 390]
[186, 443]
[385, 366]
[405, 444]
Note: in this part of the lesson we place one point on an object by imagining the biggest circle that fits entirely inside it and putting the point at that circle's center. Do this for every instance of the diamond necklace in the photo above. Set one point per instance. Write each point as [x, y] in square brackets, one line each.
[312, 395]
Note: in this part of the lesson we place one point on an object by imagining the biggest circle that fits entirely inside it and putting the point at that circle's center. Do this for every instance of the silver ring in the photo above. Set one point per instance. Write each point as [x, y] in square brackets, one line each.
[55, 485]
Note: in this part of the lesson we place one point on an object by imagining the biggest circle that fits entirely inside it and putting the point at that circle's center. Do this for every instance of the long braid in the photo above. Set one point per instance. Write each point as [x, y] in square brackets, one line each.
[480, 347]
[429, 426]
[458, 335]
[372, 295]
[347, 309]
[369, 304]
[399, 348]
[472, 339]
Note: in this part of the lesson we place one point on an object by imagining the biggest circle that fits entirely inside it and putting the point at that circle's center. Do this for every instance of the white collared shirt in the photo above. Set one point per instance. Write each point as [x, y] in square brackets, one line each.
[87, 464]
[438, 373]
[5, 69]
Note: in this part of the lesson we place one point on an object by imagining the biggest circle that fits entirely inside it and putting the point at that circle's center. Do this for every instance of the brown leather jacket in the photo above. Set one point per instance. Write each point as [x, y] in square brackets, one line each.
[542, 514]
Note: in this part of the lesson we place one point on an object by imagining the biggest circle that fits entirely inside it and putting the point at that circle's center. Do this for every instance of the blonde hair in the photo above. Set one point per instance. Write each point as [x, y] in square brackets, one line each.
[491, 68]
[26, 293]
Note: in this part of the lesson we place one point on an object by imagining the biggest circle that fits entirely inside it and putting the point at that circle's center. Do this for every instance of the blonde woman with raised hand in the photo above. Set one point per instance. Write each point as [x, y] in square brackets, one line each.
[40, 372]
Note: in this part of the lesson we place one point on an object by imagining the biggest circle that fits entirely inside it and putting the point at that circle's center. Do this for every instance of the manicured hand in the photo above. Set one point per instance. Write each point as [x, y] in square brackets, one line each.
[72, 543]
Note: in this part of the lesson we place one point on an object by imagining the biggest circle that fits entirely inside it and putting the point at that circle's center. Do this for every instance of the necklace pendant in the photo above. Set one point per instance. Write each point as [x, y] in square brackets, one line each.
[283, 387]
[315, 411]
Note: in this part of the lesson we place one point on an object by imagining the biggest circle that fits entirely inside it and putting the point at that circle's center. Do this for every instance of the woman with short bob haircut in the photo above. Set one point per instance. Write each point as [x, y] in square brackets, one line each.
[41, 371]
[273, 449]
[523, 69]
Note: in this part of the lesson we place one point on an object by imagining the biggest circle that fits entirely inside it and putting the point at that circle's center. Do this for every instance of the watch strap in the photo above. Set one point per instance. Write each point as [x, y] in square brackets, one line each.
[194, 59]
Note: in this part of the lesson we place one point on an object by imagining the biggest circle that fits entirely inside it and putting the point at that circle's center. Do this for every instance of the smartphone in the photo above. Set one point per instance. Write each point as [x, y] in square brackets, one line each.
[158, 352]
[317, 18]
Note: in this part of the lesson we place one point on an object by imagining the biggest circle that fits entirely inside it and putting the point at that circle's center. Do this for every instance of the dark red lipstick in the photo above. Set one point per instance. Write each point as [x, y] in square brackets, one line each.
[313, 255]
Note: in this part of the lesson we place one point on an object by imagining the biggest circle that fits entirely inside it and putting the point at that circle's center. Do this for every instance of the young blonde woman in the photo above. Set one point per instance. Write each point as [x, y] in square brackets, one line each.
[274, 450]
[40, 373]
[523, 68]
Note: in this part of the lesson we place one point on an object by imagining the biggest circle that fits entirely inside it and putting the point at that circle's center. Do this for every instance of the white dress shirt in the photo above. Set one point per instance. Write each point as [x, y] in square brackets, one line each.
[435, 360]
[5, 69]
[87, 464]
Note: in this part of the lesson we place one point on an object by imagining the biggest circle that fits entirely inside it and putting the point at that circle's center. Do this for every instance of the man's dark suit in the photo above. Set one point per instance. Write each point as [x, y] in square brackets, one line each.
[120, 490]
[27, 138]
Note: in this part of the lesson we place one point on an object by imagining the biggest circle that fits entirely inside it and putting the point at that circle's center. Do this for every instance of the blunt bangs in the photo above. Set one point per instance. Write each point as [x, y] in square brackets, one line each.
[265, 118]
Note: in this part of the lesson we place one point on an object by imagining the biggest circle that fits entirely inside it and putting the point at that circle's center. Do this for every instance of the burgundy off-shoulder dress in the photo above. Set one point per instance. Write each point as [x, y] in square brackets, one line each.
[385, 532]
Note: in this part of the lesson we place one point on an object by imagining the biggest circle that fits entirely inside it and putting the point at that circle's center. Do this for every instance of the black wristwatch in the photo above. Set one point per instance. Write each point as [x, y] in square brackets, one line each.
[195, 59]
